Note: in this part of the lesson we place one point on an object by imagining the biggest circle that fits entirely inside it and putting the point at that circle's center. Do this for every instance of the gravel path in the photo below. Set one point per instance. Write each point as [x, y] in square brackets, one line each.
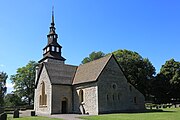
[63, 116]
[67, 116]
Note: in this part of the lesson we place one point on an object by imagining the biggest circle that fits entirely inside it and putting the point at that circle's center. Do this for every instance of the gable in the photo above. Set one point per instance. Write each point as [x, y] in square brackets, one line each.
[42, 76]
[113, 72]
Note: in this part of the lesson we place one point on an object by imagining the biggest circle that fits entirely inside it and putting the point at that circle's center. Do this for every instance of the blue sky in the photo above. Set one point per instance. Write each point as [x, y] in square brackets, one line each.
[149, 27]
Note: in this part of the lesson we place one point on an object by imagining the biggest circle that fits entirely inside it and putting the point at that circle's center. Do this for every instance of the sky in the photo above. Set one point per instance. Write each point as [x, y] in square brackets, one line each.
[148, 27]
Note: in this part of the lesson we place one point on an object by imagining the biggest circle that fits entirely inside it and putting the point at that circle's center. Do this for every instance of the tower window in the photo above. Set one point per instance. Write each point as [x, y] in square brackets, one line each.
[44, 51]
[47, 49]
[57, 49]
[53, 48]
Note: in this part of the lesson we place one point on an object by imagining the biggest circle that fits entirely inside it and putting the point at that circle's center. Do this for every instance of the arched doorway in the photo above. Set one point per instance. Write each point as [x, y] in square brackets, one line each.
[64, 104]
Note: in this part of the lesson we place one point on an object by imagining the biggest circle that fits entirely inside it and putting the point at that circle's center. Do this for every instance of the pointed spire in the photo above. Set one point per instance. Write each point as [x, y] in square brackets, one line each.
[52, 28]
[52, 16]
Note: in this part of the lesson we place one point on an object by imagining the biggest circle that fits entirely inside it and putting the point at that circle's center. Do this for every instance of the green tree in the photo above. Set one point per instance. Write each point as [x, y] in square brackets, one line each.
[160, 89]
[93, 56]
[12, 100]
[138, 70]
[23, 82]
[171, 71]
[3, 78]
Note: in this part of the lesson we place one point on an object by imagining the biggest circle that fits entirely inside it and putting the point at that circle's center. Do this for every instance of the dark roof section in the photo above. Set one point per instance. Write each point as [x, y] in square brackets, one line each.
[90, 72]
[60, 73]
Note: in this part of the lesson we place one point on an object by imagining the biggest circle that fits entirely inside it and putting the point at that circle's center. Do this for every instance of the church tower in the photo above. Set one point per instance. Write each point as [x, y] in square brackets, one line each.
[52, 51]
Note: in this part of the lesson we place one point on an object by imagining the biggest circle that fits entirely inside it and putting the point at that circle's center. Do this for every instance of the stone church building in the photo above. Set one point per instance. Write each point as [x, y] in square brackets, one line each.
[92, 88]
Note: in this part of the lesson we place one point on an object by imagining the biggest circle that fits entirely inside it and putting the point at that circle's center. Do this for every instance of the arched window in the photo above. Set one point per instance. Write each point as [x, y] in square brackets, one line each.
[81, 96]
[43, 96]
[107, 97]
[130, 88]
[113, 97]
[135, 100]
[118, 96]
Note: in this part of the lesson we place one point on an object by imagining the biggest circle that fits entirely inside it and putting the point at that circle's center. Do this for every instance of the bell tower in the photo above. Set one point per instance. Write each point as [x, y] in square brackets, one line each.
[52, 50]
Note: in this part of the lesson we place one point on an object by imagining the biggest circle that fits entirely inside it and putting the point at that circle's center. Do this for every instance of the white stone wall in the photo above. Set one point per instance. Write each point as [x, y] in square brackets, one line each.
[113, 91]
[48, 91]
[61, 92]
[90, 103]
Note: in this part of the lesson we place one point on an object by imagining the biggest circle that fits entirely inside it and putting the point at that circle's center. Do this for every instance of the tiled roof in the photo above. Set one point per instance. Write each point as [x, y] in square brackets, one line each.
[89, 72]
[60, 73]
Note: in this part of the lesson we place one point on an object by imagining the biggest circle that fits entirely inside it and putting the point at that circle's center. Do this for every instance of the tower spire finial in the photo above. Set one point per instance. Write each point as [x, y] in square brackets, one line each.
[53, 14]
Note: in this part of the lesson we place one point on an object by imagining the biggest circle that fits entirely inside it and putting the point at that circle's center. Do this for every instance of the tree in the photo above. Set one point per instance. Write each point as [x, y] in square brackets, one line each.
[13, 100]
[138, 70]
[3, 78]
[171, 72]
[93, 56]
[160, 89]
[24, 82]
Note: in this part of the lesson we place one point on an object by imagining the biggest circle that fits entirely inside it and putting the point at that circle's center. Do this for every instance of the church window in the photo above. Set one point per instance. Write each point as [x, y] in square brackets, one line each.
[119, 96]
[57, 49]
[114, 86]
[81, 96]
[113, 97]
[107, 97]
[130, 88]
[43, 96]
[135, 100]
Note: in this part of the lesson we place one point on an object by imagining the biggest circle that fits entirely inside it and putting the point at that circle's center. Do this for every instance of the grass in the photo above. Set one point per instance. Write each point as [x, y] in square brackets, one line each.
[33, 118]
[167, 114]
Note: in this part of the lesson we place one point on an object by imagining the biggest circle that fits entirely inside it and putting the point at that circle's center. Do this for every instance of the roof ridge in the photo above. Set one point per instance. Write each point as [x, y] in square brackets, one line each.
[107, 56]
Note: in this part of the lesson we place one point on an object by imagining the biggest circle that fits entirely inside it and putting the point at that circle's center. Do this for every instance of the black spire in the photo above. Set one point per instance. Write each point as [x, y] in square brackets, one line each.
[52, 49]
[52, 28]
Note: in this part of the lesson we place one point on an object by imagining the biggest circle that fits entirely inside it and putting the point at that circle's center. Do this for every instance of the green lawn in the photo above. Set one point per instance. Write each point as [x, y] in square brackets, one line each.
[167, 114]
[33, 118]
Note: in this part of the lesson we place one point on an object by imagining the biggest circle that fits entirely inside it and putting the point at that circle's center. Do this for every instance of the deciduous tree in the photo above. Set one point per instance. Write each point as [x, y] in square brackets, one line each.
[138, 70]
[24, 80]
[93, 56]
[3, 78]
[171, 71]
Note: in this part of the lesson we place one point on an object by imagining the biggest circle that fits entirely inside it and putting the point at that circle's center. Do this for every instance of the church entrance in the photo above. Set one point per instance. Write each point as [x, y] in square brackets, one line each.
[64, 106]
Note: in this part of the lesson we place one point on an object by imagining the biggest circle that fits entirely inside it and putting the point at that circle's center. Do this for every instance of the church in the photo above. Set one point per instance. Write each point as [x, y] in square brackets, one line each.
[93, 88]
